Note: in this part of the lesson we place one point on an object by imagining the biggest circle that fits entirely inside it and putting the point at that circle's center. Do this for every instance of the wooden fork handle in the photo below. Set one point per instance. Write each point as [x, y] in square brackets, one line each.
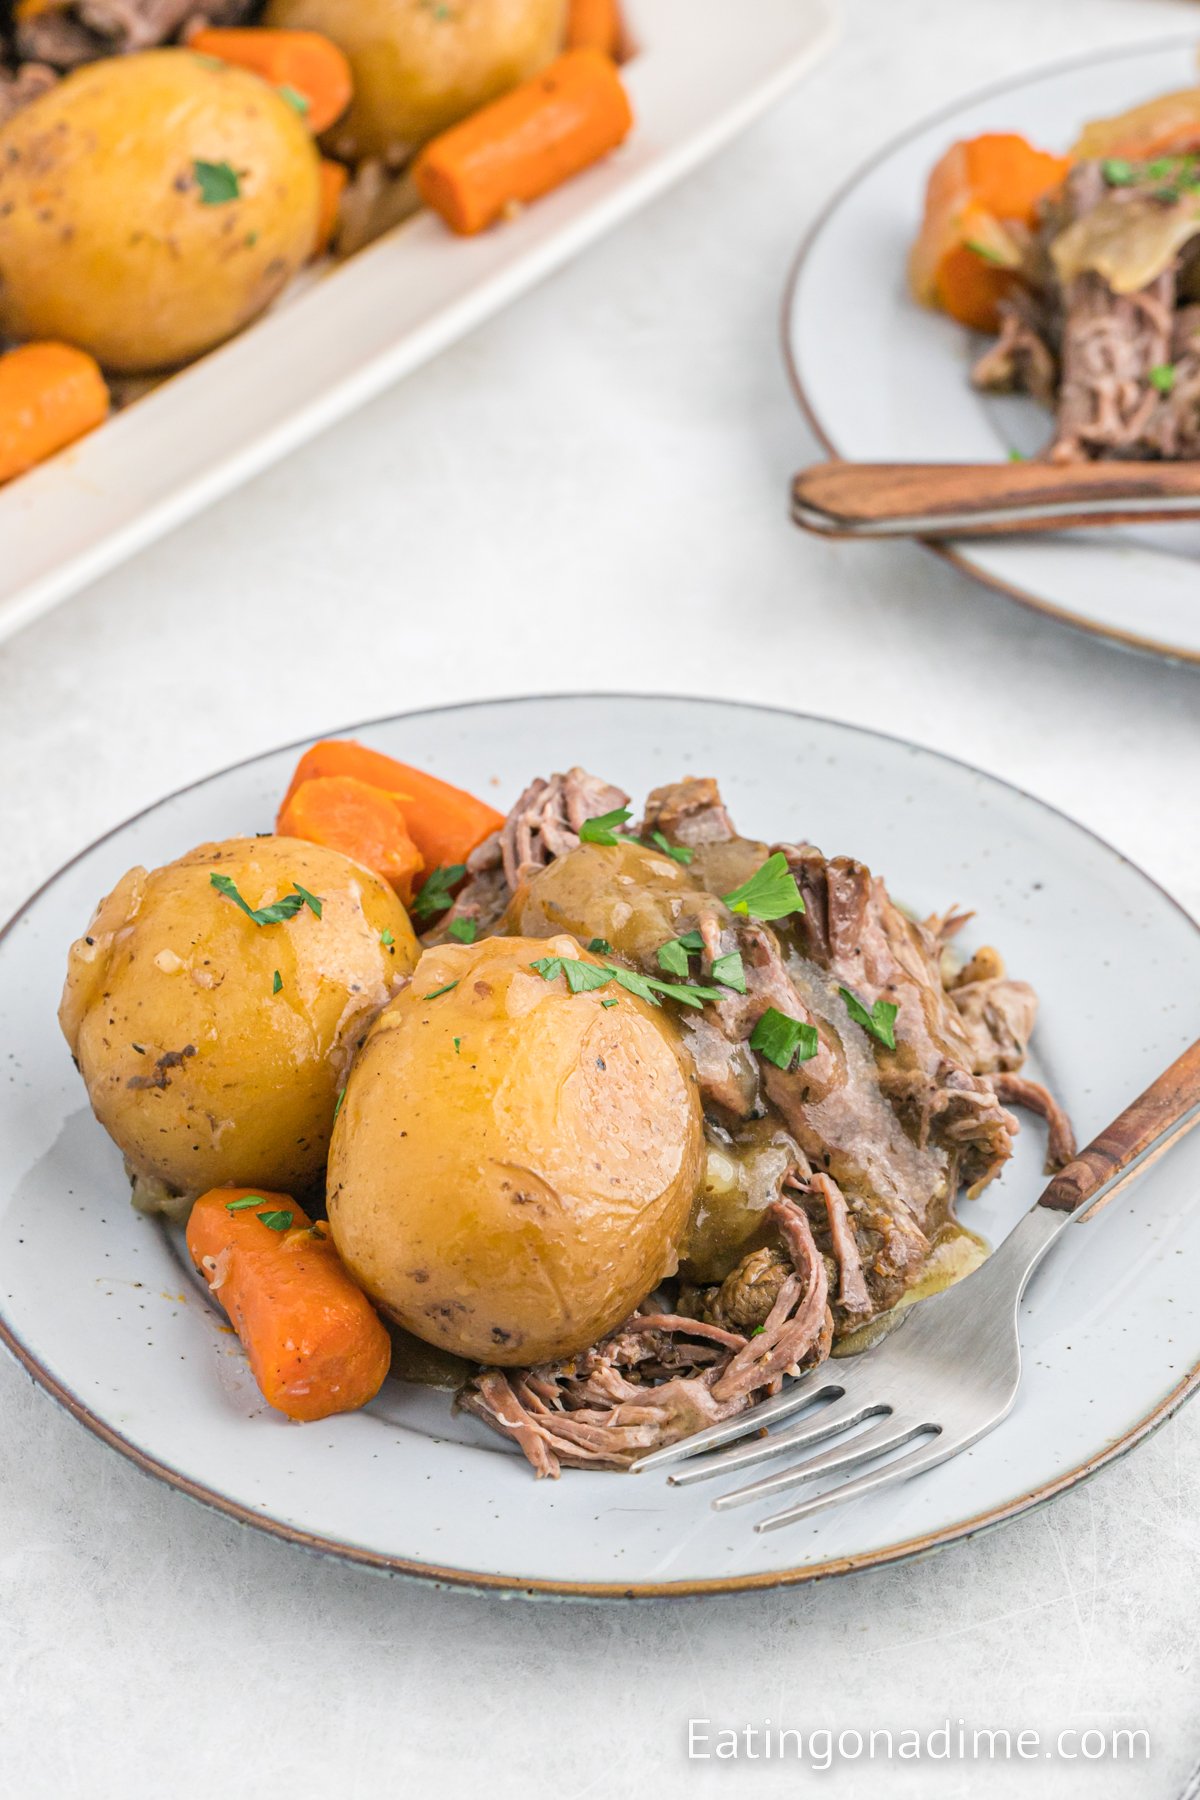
[1171, 1101]
[852, 499]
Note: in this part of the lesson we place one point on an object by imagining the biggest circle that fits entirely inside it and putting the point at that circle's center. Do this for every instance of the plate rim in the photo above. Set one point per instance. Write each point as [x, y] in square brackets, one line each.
[958, 558]
[481, 1581]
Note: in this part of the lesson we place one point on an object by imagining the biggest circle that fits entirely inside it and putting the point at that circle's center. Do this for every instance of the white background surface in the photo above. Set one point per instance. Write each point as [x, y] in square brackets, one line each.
[590, 490]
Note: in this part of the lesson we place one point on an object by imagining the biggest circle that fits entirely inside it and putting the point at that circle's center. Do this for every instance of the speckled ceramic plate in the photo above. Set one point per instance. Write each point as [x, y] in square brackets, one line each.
[95, 1302]
[885, 380]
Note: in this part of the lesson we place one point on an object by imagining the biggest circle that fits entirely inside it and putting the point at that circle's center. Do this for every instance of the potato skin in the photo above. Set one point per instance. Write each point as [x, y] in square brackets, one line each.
[199, 1071]
[419, 66]
[512, 1199]
[106, 240]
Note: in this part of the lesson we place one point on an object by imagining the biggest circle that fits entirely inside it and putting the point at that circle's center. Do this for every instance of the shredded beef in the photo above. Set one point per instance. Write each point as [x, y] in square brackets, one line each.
[80, 31]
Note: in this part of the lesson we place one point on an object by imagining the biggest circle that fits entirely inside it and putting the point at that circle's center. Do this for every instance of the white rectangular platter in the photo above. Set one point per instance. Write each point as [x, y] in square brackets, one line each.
[704, 70]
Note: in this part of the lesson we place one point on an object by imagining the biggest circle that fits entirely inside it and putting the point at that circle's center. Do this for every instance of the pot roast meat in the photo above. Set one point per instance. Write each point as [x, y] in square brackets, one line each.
[80, 31]
[18, 89]
[605, 1408]
[546, 819]
[688, 812]
[1018, 1090]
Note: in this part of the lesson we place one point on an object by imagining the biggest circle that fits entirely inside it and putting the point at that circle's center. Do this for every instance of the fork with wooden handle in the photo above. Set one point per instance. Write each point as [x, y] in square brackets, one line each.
[932, 500]
[949, 1372]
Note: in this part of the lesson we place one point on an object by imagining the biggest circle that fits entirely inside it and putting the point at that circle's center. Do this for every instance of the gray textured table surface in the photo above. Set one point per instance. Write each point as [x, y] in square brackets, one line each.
[588, 491]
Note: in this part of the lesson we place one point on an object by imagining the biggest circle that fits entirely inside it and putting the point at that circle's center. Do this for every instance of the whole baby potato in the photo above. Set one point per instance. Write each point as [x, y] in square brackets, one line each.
[150, 206]
[214, 1048]
[513, 1164]
[421, 65]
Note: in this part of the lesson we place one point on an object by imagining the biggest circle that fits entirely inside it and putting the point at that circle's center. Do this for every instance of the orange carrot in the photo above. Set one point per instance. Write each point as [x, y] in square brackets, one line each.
[334, 176]
[50, 394]
[594, 25]
[301, 63]
[525, 143]
[314, 1341]
[444, 822]
[361, 821]
[963, 259]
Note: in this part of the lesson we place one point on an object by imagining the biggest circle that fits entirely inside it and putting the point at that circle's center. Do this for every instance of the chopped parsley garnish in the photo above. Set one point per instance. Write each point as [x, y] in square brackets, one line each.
[241, 1205]
[277, 983]
[1117, 171]
[313, 902]
[600, 947]
[276, 1221]
[1162, 377]
[677, 852]
[784, 1040]
[673, 957]
[603, 828]
[300, 102]
[610, 1003]
[387, 939]
[728, 970]
[1017, 456]
[218, 182]
[880, 1021]
[464, 931]
[770, 893]
[439, 991]
[985, 253]
[583, 977]
[277, 912]
[457, 1045]
[436, 895]
[341, 1096]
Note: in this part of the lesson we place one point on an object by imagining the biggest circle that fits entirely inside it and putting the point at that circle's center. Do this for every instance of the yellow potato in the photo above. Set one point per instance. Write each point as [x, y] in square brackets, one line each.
[513, 1164]
[201, 1071]
[420, 65]
[150, 206]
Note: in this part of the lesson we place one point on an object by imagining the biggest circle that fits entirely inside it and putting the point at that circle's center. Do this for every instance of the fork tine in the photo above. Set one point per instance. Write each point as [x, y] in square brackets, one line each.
[915, 1463]
[838, 1417]
[889, 1434]
[792, 1398]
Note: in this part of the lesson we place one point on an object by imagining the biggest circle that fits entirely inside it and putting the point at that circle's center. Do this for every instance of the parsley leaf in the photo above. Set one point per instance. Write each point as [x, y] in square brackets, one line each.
[295, 99]
[880, 1021]
[548, 967]
[247, 1200]
[436, 895]
[673, 957]
[463, 931]
[313, 902]
[984, 252]
[341, 1096]
[602, 829]
[275, 1220]
[1117, 172]
[1017, 456]
[610, 1003]
[275, 914]
[276, 982]
[677, 852]
[784, 1040]
[728, 970]
[387, 939]
[770, 893]
[457, 1045]
[218, 182]
[600, 947]
[437, 991]
[633, 983]
[1162, 377]
[691, 995]
[583, 978]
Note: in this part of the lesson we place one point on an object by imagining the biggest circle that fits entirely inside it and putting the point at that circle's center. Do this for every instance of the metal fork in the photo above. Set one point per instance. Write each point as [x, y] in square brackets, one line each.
[949, 1372]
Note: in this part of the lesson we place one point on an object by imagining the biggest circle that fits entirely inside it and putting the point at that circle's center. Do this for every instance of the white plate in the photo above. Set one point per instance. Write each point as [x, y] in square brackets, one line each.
[94, 1300]
[702, 73]
[885, 380]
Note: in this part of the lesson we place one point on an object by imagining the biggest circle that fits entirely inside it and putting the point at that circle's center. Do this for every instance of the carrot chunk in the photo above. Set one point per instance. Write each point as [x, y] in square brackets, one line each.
[444, 822]
[333, 178]
[314, 1342]
[361, 821]
[963, 259]
[50, 394]
[525, 143]
[301, 63]
[595, 25]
